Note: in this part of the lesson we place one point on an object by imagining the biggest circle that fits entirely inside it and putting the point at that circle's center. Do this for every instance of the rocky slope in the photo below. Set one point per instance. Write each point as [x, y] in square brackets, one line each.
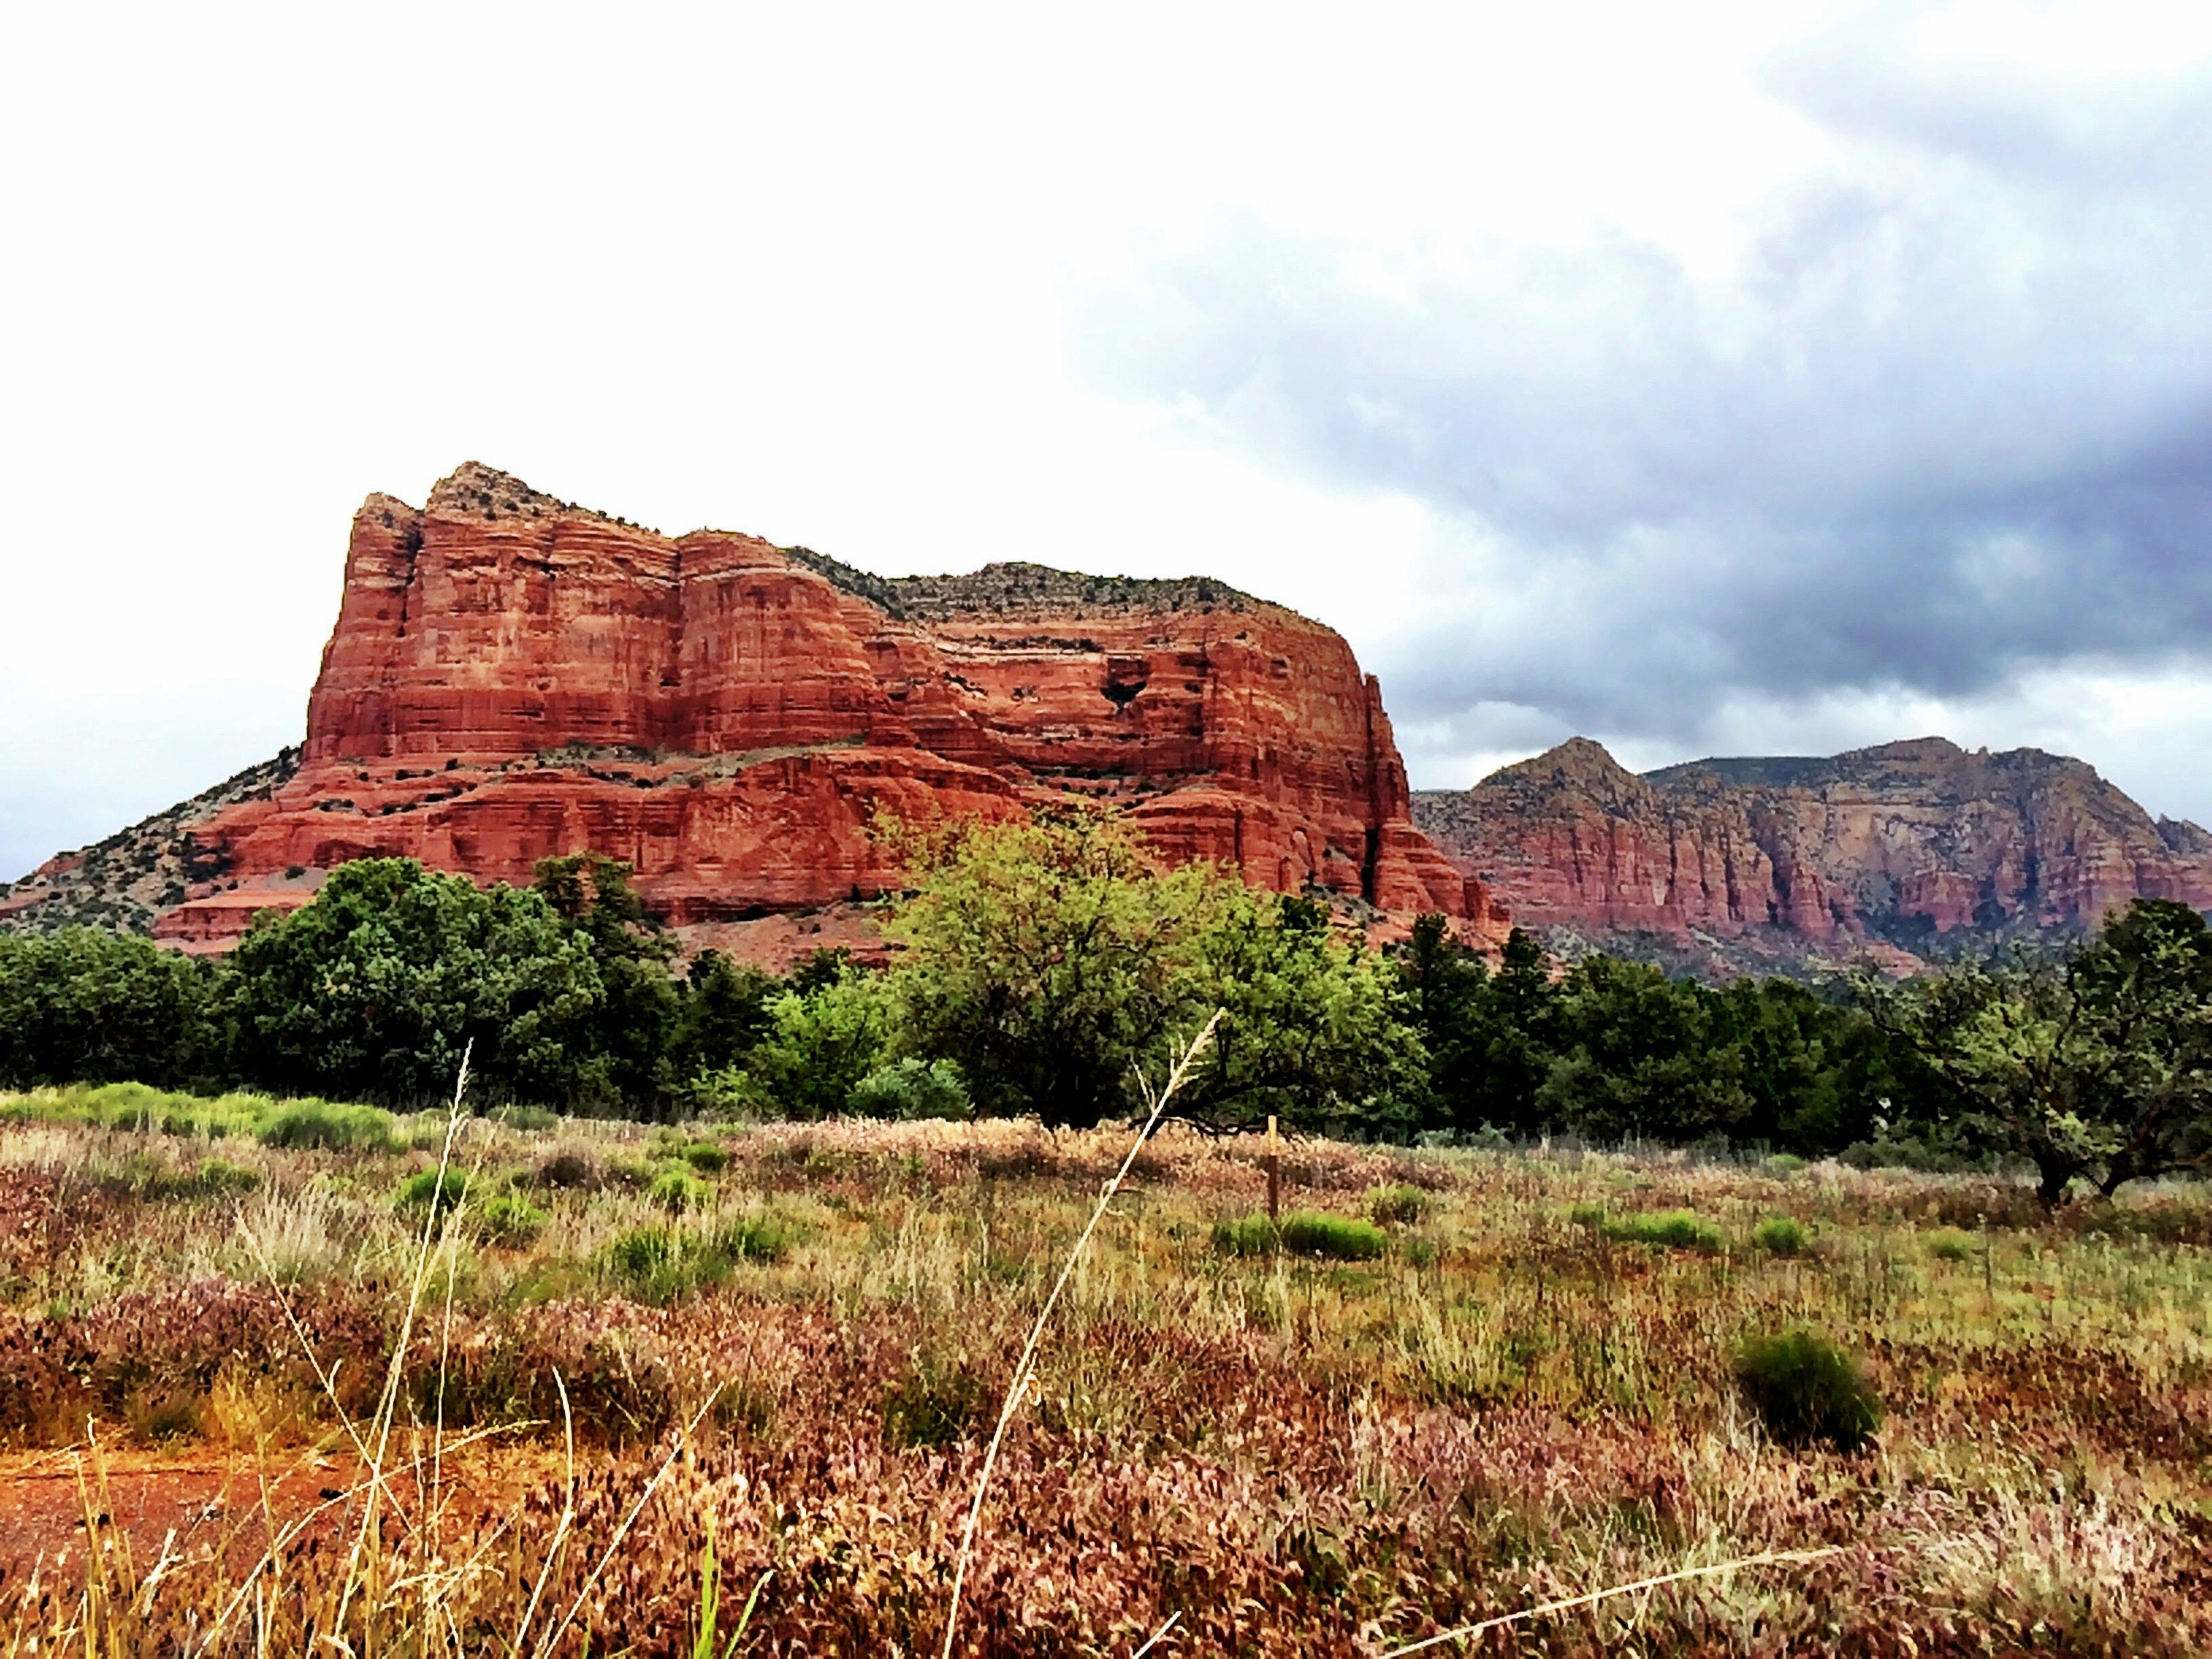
[1903, 850]
[128, 880]
[512, 676]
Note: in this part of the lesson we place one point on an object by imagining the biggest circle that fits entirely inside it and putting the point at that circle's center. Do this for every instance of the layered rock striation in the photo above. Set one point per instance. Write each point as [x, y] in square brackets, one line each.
[1906, 848]
[513, 676]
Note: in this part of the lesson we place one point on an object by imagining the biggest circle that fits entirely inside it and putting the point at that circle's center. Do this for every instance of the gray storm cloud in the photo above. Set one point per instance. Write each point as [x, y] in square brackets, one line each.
[1949, 422]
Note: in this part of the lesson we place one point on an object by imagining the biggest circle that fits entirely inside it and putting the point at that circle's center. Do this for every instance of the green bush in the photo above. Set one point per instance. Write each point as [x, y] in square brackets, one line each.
[531, 1119]
[1249, 1235]
[319, 1126]
[706, 1157]
[913, 1087]
[213, 1178]
[1782, 1236]
[1672, 1229]
[660, 1265]
[510, 1218]
[1340, 1238]
[1950, 1245]
[132, 1105]
[754, 1238]
[677, 1189]
[650, 1265]
[933, 1405]
[1808, 1391]
[1398, 1206]
[435, 1190]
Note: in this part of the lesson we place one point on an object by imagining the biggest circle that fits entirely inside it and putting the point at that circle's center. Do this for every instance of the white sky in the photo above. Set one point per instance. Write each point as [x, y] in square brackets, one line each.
[834, 276]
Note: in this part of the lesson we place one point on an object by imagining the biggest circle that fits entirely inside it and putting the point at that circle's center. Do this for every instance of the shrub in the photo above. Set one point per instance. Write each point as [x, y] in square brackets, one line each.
[214, 1177]
[660, 1265]
[914, 1088]
[510, 1218]
[435, 1190]
[1782, 1236]
[565, 1167]
[706, 1157]
[677, 1189]
[1808, 1391]
[1398, 1206]
[132, 1105]
[1671, 1230]
[529, 1119]
[218, 1177]
[1249, 1235]
[1949, 1244]
[754, 1238]
[1784, 1165]
[933, 1405]
[317, 1125]
[647, 1262]
[1340, 1238]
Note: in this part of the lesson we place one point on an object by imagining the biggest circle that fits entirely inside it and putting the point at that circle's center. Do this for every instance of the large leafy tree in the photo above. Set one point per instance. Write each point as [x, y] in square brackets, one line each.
[2095, 1065]
[1488, 1073]
[376, 988]
[726, 1012]
[1045, 957]
[93, 1006]
[824, 1032]
[1642, 1055]
[1049, 960]
[1309, 1032]
[634, 1019]
[1442, 987]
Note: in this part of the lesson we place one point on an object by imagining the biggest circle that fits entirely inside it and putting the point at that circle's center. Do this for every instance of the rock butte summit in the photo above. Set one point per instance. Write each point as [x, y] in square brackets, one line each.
[513, 676]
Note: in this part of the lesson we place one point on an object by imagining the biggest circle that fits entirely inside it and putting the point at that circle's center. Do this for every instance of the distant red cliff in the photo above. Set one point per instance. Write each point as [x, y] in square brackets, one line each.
[1896, 849]
[513, 676]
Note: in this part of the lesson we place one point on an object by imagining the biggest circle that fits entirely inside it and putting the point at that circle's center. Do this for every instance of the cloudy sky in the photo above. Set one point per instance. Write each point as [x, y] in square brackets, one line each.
[1772, 379]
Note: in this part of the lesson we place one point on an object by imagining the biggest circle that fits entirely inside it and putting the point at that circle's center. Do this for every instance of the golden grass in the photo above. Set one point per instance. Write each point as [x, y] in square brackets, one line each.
[1507, 1413]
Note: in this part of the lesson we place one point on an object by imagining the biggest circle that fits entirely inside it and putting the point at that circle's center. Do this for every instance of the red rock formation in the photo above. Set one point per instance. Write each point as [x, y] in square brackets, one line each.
[512, 676]
[1814, 858]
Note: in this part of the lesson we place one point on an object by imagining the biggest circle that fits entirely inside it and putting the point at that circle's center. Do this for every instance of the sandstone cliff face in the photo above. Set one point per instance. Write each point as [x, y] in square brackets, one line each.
[512, 676]
[1899, 846]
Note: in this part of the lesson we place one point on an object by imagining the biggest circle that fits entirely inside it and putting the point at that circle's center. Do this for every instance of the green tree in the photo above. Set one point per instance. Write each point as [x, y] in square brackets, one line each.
[1044, 959]
[2094, 1065]
[632, 1023]
[1049, 961]
[820, 1044]
[1444, 989]
[1641, 1055]
[725, 1013]
[1517, 1036]
[2149, 974]
[1308, 1031]
[84, 1005]
[373, 990]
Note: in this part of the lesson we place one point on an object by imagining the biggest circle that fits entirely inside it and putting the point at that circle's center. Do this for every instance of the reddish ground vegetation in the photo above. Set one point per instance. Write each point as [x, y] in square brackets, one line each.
[1283, 1454]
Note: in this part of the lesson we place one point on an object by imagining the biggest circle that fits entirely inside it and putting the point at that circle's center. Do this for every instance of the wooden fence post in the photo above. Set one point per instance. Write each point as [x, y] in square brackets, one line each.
[1274, 1175]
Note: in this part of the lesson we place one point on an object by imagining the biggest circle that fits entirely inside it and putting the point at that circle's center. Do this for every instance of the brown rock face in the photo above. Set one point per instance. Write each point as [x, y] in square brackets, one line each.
[1810, 857]
[512, 676]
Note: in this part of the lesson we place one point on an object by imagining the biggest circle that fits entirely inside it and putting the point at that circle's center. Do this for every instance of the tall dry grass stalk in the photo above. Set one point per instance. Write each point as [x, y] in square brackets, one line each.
[1025, 1367]
[1721, 1569]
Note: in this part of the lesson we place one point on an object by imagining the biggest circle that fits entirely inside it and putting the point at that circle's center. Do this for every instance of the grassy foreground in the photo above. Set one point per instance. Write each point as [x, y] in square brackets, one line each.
[650, 1377]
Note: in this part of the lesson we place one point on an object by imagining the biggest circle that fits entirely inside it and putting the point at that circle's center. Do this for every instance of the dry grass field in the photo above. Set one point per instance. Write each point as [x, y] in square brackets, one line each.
[727, 1391]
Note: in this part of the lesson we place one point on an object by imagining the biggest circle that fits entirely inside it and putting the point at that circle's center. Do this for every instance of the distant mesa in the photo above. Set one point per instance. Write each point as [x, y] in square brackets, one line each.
[513, 676]
[1896, 851]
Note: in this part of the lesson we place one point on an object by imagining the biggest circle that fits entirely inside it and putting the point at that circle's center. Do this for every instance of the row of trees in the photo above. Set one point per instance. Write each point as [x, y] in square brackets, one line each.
[1038, 967]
